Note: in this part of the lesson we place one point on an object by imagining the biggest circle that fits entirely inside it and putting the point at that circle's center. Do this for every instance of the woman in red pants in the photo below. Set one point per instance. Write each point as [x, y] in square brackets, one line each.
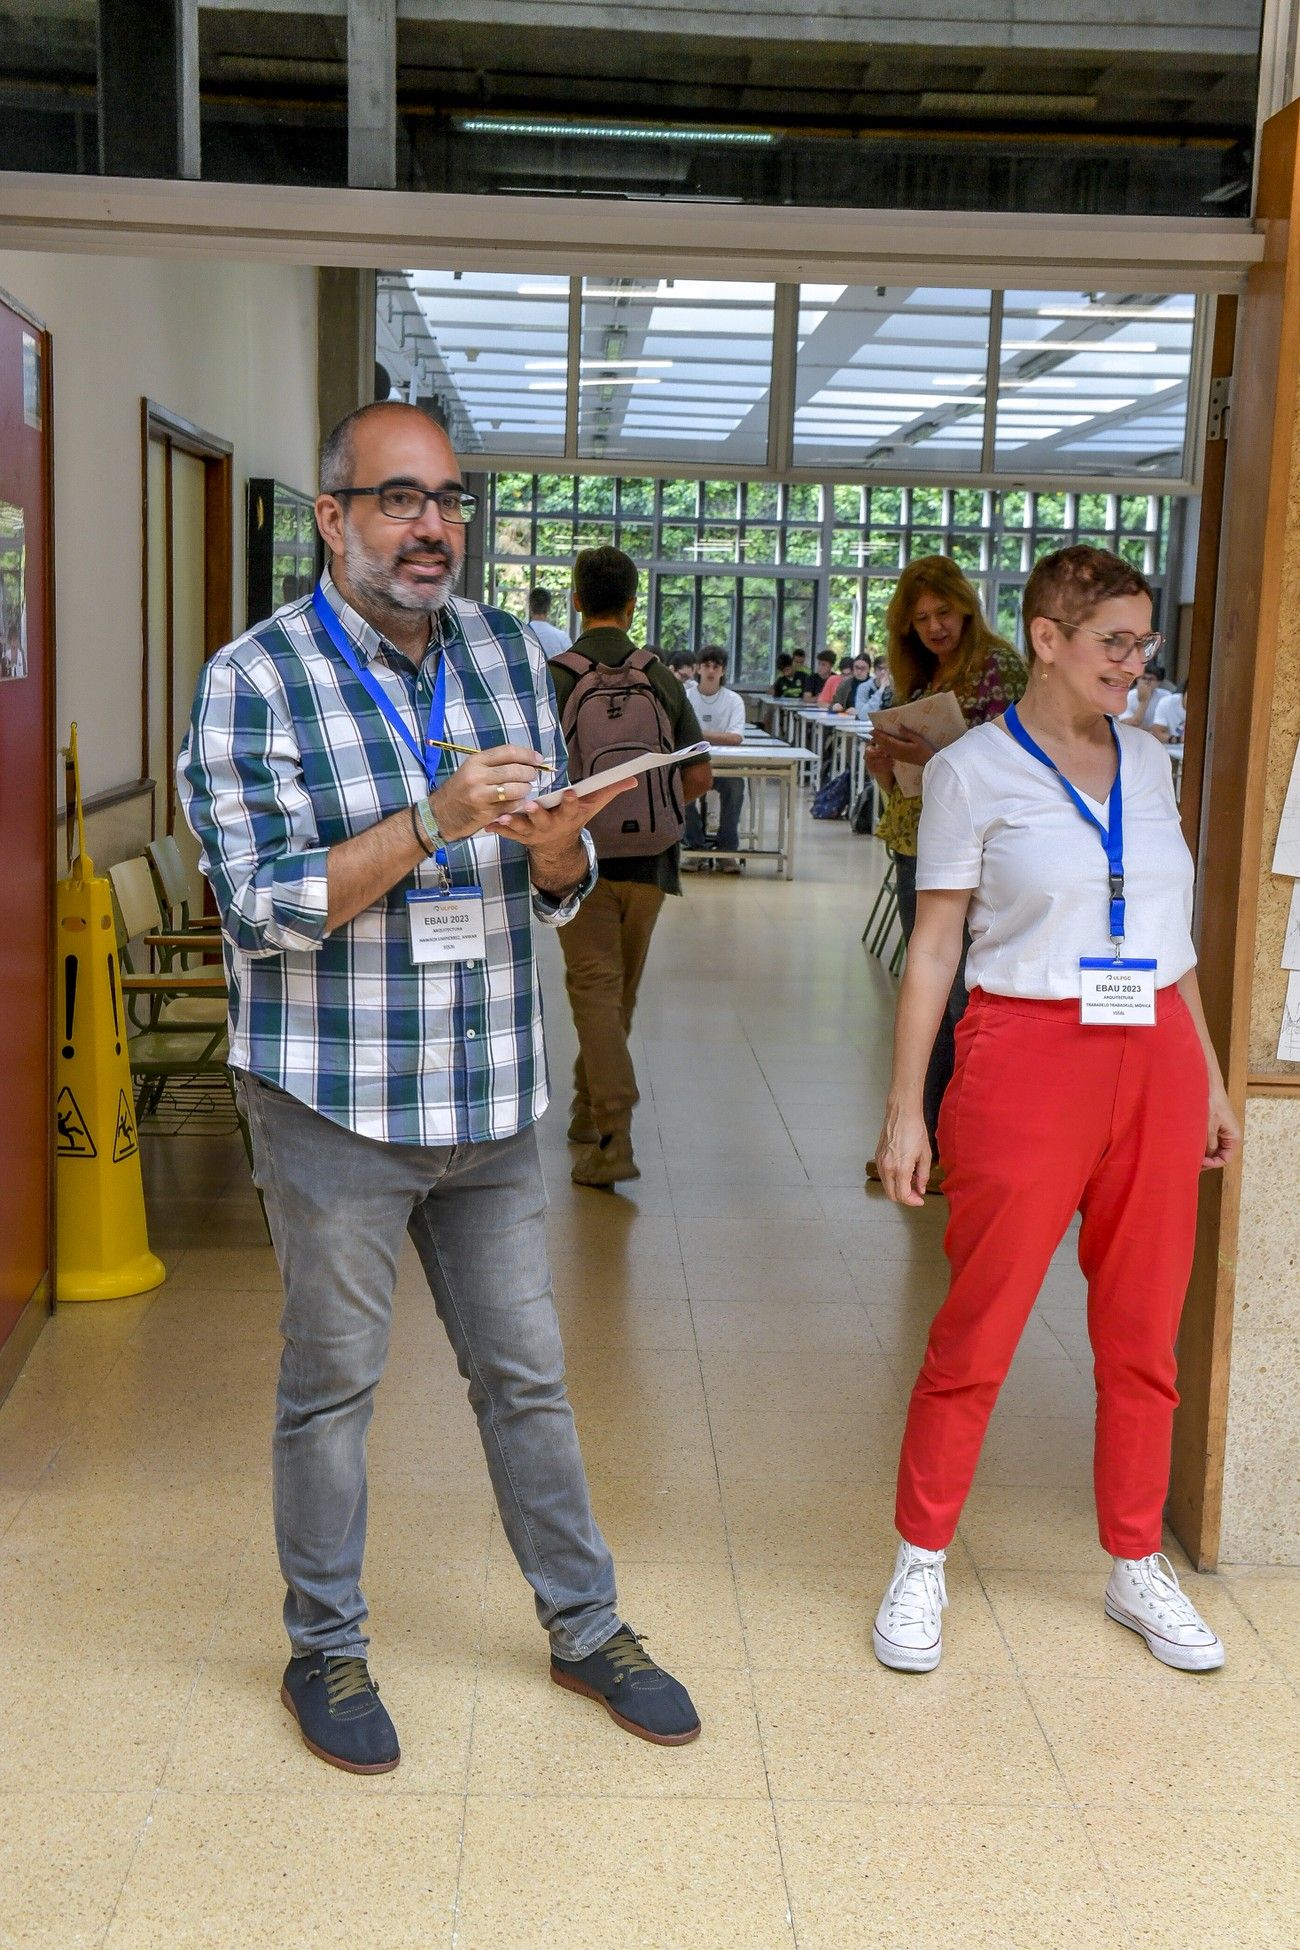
[1085, 1082]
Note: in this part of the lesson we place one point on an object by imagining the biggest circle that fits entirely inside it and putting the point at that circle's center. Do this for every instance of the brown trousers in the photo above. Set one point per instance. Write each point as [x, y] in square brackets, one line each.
[605, 946]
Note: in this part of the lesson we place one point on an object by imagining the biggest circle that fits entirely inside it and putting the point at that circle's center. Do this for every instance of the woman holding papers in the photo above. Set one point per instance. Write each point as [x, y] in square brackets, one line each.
[938, 641]
[1085, 1082]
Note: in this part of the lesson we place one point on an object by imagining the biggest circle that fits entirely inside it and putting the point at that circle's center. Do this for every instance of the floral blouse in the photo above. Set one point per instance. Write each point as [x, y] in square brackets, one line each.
[984, 694]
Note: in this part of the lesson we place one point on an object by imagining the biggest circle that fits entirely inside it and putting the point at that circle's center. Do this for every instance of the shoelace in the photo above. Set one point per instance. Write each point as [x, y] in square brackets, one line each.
[346, 1679]
[917, 1592]
[626, 1652]
[1160, 1579]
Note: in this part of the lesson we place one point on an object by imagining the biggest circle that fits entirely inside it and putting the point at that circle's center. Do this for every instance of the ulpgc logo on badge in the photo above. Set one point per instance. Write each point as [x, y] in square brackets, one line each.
[124, 1139]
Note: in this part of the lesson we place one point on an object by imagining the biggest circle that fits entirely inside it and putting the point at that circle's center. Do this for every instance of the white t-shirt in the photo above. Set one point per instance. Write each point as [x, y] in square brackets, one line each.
[554, 642]
[1171, 712]
[725, 712]
[997, 821]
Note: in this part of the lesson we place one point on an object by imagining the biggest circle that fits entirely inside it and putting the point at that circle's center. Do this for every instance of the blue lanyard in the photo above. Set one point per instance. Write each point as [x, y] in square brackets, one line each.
[1112, 835]
[428, 757]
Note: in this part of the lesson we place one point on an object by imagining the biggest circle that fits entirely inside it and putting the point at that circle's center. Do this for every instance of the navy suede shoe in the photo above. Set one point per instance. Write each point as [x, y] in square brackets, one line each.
[337, 1706]
[640, 1695]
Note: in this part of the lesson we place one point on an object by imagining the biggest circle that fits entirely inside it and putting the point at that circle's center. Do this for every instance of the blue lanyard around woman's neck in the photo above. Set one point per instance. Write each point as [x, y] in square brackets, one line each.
[1112, 835]
[428, 757]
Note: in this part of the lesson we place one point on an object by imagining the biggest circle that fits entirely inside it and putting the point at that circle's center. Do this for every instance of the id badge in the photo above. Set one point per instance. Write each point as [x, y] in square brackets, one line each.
[1118, 991]
[446, 924]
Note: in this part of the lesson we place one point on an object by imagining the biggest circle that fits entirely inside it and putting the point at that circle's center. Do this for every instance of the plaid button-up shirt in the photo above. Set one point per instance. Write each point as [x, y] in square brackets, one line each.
[287, 755]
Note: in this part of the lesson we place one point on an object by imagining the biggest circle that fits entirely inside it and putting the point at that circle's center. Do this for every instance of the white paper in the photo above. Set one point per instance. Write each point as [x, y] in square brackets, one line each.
[1291, 946]
[937, 717]
[1286, 855]
[1288, 1048]
[631, 768]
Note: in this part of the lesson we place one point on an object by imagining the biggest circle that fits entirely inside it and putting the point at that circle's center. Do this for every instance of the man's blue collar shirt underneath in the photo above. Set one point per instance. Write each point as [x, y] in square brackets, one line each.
[286, 756]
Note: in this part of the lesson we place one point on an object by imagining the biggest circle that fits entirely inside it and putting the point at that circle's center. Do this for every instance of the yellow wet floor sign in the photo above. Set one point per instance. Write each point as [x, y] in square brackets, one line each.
[103, 1251]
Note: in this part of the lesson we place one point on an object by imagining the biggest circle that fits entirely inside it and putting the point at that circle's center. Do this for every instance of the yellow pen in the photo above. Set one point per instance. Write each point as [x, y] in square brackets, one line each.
[471, 751]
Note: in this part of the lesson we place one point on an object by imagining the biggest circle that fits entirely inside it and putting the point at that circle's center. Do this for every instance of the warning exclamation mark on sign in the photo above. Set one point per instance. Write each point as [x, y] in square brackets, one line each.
[69, 1000]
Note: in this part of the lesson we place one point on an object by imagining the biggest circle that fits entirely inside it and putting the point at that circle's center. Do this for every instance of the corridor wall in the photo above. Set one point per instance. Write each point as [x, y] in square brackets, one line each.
[228, 346]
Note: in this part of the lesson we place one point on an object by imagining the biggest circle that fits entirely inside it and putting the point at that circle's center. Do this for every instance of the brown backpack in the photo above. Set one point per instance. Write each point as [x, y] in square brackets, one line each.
[615, 713]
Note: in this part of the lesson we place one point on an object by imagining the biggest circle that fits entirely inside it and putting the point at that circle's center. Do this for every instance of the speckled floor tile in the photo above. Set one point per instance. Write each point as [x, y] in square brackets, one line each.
[1231, 1880]
[694, 1875]
[935, 1736]
[1180, 1738]
[262, 1871]
[1271, 1602]
[875, 1877]
[92, 1720]
[63, 1860]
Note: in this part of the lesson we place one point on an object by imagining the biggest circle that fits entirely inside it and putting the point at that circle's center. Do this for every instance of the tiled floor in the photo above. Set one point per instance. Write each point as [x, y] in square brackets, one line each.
[742, 1327]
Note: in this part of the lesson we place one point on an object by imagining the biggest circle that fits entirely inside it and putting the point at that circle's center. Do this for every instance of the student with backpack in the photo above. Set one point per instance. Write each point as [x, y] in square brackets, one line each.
[615, 702]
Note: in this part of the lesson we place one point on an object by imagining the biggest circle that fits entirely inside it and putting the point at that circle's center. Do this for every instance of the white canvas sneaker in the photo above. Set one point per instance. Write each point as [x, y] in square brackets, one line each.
[1144, 1594]
[908, 1632]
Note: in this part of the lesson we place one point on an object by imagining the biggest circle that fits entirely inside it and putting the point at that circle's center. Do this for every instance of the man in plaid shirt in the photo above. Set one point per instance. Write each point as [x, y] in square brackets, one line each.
[377, 891]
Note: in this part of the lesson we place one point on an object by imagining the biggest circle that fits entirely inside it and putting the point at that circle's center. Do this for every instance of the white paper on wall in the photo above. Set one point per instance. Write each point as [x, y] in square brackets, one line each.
[1286, 854]
[1288, 1048]
[1291, 946]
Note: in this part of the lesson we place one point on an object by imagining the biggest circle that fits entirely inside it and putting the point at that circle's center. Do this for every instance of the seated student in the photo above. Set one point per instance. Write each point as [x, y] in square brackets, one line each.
[789, 682]
[721, 714]
[870, 695]
[1170, 717]
[1143, 700]
[847, 691]
[826, 679]
[683, 666]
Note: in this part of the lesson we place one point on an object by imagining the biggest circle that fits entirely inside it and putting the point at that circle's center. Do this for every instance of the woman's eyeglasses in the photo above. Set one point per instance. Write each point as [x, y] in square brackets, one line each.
[1118, 645]
[401, 502]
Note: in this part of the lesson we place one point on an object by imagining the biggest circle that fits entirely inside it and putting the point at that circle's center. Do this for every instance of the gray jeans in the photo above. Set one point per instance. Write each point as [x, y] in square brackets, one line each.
[337, 1205]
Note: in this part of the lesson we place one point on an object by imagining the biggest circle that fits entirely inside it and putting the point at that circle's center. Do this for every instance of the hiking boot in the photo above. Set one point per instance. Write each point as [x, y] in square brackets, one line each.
[908, 1632]
[607, 1163]
[1144, 1594]
[582, 1126]
[641, 1696]
[336, 1704]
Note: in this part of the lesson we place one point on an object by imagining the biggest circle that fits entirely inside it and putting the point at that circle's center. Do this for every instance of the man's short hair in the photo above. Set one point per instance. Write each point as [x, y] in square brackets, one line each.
[846, 665]
[796, 654]
[338, 452]
[713, 653]
[605, 580]
[539, 601]
[1068, 585]
[784, 660]
[862, 658]
[825, 657]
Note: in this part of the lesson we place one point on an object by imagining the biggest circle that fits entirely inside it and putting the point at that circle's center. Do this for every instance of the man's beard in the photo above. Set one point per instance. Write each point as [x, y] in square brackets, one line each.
[373, 577]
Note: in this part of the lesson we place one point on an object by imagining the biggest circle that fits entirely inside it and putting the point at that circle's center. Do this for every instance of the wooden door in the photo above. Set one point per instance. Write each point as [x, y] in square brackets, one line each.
[186, 597]
[26, 825]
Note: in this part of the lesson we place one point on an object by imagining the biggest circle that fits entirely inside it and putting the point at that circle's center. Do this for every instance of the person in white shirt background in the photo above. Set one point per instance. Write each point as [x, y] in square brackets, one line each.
[721, 714]
[554, 642]
[1083, 1083]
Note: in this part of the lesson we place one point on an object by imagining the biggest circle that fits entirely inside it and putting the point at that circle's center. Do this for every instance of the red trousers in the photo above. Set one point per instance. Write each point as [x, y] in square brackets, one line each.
[1043, 1118]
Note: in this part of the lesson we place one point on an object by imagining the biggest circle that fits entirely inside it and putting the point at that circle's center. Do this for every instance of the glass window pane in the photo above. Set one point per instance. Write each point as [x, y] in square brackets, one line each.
[596, 494]
[804, 502]
[635, 539]
[758, 630]
[555, 540]
[555, 491]
[678, 544]
[489, 346]
[675, 604]
[798, 604]
[515, 490]
[514, 535]
[675, 369]
[848, 546]
[636, 497]
[892, 379]
[762, 500]
[760, 544]
[803, 545]
[880, 590]
[1093, 383]
[681, 498]
[718, 612]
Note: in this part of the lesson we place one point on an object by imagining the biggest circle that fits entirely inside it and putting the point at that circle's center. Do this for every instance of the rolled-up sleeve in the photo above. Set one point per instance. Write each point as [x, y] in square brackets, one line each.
[551, 912]
[239, 776]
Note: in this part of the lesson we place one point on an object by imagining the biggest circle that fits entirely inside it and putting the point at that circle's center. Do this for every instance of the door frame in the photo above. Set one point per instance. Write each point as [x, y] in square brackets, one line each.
[40, 1304]
[173, 432]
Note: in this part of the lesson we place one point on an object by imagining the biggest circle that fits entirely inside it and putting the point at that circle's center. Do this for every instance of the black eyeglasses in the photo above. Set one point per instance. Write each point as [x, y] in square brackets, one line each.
[1118, 645]
[402, 502]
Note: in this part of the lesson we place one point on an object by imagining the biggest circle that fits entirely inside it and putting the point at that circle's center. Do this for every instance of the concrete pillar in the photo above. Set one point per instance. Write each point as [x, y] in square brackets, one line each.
[345, 343]
[149, 88]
